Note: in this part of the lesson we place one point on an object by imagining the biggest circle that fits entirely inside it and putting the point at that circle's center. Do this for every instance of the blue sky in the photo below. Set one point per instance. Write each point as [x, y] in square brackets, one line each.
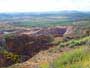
[43, 5]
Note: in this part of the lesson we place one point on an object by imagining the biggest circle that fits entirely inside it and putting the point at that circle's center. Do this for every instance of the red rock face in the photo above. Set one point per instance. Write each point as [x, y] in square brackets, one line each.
[26, 44]
[60, 30]
[2, 60]
[29, 45]
[17, 44]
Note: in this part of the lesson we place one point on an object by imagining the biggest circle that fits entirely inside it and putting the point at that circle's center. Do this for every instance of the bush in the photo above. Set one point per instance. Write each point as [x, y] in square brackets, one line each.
[11, 56]
[76, 42]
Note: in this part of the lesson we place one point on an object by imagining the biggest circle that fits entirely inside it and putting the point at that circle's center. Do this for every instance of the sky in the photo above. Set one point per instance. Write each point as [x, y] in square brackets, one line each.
[43, 5]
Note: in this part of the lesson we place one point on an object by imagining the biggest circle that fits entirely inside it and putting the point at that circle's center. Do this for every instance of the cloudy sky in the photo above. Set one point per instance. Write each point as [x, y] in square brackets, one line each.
[43, 5]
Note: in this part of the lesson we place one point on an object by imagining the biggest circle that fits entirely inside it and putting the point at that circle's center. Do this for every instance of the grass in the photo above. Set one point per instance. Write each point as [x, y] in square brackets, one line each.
[44, 65]
[57, 40]
[76, 42]
[78, 58]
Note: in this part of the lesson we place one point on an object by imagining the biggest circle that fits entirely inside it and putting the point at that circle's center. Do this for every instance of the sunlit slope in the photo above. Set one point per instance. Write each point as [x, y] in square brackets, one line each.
[78, 58]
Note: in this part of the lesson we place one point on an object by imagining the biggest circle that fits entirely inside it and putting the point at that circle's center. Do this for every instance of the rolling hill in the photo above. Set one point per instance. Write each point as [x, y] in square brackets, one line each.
[45, 19]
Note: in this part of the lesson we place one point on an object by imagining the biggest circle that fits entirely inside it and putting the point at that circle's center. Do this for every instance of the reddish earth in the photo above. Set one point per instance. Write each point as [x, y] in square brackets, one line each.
[30, 43]
[43, 57]
[60, 30]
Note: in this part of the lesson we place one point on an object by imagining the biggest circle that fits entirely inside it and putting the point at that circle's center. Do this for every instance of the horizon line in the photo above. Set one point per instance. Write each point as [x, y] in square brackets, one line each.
[45, 11]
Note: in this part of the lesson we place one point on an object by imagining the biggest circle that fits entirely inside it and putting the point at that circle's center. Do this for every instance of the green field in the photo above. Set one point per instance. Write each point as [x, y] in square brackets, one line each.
[43, 24]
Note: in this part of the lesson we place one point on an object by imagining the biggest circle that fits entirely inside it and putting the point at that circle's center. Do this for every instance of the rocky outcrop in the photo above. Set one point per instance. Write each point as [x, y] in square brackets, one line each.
[25, 44]
[52, 31]
[29, 44]
[47, 31]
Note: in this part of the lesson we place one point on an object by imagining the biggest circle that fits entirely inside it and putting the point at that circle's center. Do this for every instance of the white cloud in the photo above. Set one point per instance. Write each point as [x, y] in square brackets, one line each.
[43, 5]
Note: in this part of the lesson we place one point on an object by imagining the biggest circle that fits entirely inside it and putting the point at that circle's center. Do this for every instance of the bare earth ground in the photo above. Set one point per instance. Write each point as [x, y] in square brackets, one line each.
[43, 57]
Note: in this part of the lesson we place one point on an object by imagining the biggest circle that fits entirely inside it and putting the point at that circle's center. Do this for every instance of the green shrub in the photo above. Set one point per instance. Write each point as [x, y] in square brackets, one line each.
[8, 55]
[76, 42]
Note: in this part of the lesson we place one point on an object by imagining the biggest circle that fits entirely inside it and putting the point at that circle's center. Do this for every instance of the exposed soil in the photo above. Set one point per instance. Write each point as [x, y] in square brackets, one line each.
[46, 56]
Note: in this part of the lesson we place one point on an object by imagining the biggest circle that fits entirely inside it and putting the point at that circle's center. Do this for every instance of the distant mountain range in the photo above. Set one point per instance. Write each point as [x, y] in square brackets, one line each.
[49, 18]
[55, 13]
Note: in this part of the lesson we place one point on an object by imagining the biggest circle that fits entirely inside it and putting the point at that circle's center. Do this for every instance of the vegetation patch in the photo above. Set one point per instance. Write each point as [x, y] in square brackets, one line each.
[76, 42]
[78, 58]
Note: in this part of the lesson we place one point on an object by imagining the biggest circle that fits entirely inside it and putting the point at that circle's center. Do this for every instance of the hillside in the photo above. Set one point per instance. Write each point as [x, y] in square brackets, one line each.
[62, 55]
[45, 40]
